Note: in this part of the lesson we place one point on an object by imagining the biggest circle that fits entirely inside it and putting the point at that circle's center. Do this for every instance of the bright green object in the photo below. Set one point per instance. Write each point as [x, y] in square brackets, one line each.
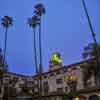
[56, 59]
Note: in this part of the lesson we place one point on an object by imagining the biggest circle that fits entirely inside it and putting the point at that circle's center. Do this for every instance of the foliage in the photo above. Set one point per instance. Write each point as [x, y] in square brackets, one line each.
[33, 22]
[6, 21]
[90, 51]
[39, 9]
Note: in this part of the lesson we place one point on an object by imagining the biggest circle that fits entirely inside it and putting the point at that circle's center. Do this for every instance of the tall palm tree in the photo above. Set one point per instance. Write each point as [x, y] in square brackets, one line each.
[33, 22]
[91, 68]
[39, 11]
[6, 23]
[90, 52]
[93, 36]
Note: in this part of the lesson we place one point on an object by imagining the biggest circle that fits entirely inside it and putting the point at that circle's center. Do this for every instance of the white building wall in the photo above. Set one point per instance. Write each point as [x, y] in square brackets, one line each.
[52, 83]
[80, 79]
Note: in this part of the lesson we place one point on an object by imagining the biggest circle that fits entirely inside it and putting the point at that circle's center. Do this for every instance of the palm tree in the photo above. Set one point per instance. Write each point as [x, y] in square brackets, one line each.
[90, 51]
[93, 34]
[39, 11]
[33, 22]
[91, 68]
[6, 23]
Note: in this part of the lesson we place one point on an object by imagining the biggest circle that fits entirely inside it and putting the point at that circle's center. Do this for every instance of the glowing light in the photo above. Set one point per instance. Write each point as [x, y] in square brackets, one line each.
[56, 58]
[72, 78]
[77, 98]
[30, 92]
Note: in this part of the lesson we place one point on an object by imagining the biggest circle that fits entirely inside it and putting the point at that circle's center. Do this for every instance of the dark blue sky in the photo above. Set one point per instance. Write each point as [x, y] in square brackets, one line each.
[64, 29]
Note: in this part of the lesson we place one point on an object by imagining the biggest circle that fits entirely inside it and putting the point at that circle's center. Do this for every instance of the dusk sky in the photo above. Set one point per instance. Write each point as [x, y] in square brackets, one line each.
[64, 29]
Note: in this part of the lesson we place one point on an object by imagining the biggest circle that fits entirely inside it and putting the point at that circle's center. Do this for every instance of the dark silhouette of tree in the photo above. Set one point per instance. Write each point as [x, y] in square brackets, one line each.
[6, 23]
[39, 11]
[33, 22]
[90, 51]
[91, 68]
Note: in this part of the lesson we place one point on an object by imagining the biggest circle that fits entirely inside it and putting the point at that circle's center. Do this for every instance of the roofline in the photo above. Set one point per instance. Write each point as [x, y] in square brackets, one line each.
[21, 75]
[63, 67]
[66, 66]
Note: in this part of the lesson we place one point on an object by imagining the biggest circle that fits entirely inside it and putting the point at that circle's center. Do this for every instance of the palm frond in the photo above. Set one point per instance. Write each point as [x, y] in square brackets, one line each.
[91, 50]
[33, 21]
[39, 9]
[6, 21]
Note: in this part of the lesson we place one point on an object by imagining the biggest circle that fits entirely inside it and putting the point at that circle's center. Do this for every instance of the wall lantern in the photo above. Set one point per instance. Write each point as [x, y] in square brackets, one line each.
[72, 78]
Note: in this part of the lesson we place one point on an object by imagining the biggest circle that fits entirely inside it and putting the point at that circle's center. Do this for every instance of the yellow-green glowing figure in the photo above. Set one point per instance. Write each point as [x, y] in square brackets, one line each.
[56, 59]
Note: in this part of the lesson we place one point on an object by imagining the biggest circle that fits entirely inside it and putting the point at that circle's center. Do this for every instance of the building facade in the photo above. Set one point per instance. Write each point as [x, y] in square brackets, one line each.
[72, 82]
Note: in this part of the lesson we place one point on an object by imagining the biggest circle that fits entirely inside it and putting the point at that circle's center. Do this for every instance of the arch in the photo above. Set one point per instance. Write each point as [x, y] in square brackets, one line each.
[94, 97]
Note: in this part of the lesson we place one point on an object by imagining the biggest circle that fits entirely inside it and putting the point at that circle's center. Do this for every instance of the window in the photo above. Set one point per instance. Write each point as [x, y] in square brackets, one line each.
[36, 86]
[51, 74]
[66, 89]
[88, 84]
[65, 70]
[46, 90]
[73, 88]
[59, 89]
[45, 76]
[58, 72]
[45, 84]
[36, 93]
[46, 87]
[59, 81]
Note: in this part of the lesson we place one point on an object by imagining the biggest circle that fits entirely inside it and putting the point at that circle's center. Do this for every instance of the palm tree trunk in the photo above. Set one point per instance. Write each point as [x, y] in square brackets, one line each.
[5, 47]
[40, 45]
[40, 49]
[94, 39]
[4, 59]
[35, 54]
[89, 21]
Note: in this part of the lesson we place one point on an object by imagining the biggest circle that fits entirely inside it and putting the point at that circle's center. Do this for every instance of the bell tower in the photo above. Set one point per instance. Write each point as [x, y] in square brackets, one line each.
[55, 61]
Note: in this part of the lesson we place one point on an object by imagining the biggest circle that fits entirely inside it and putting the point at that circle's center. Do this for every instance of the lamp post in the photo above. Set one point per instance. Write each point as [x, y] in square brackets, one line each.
[93, 36]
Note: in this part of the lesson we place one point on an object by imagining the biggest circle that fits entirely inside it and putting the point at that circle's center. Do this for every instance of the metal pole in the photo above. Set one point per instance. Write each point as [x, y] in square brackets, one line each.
[93, 35]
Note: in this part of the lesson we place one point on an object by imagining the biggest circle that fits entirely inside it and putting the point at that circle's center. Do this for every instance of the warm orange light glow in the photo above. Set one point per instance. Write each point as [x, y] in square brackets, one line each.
[77, 98]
